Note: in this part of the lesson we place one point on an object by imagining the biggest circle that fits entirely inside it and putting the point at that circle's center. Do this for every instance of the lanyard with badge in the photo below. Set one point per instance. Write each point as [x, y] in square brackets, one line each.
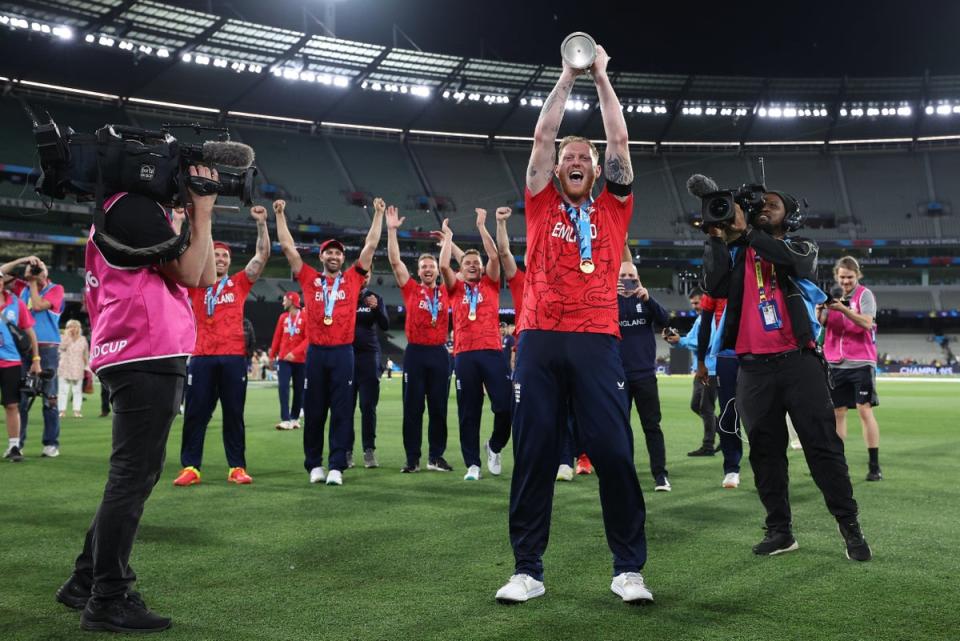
[212, 298]
[292, 324]
[580, 218]
[433, 305]
[330, 298]
[473, 297]
[769, 310]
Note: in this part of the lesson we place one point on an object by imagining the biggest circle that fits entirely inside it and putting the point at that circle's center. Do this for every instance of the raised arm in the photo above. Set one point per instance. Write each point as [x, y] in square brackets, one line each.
[192, 268]
[493, 258]
[507, 261]
[400, 271]
[616, 157]
[543, 157]
[449, 276]
[287, 246]
[373, 236]
[255, 267]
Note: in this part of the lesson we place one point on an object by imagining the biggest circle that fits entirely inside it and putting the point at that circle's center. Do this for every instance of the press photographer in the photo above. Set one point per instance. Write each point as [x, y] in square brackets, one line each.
[770, 323]
[17, 340]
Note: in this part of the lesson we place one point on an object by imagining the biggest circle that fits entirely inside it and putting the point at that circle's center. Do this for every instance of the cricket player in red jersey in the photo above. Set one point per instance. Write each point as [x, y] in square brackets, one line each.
[218, 367]
[478, 361]
[426, 365]
[568, 350]
[289, 347]
[330, 299]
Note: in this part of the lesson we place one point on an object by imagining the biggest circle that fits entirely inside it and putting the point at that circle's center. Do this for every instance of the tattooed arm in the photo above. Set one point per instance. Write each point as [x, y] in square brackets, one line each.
[544, 155]
[617, 166]
[255, 267]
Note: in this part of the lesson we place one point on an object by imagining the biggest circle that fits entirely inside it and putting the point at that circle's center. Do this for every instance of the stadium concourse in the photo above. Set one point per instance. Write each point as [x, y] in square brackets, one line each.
[357, 139]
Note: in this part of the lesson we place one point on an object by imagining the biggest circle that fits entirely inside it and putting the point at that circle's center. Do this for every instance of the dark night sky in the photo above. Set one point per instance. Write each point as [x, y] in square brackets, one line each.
[776, 38]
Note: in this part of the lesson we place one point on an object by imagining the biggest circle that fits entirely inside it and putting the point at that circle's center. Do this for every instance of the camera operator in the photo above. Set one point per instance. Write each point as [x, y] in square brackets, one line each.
[16, 317]
[850, 347]
[144, 365]
[44, 299]
[760, 271]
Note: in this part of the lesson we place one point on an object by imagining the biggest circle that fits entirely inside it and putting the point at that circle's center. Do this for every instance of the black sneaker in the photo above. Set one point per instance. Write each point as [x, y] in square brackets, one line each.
[74, 594]
[126, 614]
[702, 451]
[410, 468]
[775, 542]
[857, 548]
[875, 475]
[13, 454]
[439, 464]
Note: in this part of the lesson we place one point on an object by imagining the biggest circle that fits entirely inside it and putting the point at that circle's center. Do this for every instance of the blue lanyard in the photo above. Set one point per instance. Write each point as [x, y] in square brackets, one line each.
[292, 324]
[433, 304]
[473, 296]
[330, 295]
[212, 298]
[580, 217]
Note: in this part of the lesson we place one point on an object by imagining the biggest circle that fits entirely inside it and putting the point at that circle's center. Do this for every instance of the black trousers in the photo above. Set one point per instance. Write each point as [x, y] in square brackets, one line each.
[795, 384]
[702, 403]
[144, 406]
[366, 392]
[646, 398]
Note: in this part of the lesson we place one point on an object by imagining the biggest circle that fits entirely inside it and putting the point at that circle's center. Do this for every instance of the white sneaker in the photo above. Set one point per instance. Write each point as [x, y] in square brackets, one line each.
[473, 473]
[630, 587]
[564, 473]
[335, 478]
[294, 425]
[663, 485]
[795, 444]
[520, 588]
[50, 451]
[493, 460]
[731, 480]
[283, 425]
[318, 475]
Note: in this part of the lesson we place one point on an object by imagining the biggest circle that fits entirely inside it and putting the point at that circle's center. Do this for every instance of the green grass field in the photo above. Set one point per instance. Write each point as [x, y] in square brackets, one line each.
[392, 556]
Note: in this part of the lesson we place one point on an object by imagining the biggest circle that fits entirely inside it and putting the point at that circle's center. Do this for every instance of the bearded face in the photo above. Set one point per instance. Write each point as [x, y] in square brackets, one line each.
[577, 170]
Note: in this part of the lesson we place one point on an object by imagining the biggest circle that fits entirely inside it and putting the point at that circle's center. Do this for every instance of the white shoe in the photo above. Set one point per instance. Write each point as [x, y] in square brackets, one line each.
[335, 477]
[663, 485]
[473, 473]
[520, 588]
[731, 480]
[50, 451]
[564, 473]
[283, 425]
[630, 587]
[317, 475]
[795, 444]
[493, 460]
[294, 425]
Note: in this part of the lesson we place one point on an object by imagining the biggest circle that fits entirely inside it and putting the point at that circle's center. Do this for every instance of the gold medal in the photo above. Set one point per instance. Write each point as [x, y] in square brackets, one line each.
[587, 266]
[472, 316]
[328, 320]
[433, 322]
[210, 320]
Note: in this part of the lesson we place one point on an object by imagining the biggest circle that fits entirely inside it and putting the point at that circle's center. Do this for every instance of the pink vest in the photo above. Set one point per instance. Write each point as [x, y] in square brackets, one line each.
[136, 313]
[845, 340]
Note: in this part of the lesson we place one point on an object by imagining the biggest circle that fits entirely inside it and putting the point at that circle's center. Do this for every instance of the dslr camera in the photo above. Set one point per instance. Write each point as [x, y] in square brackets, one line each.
[34, 385]
[836, 295]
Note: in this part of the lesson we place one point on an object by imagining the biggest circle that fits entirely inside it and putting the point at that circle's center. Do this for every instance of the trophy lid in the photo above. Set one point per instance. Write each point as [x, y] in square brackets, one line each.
[579, 50]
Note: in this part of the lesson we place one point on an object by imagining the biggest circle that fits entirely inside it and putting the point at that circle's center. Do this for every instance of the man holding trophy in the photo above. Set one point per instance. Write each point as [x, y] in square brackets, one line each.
[569, 351]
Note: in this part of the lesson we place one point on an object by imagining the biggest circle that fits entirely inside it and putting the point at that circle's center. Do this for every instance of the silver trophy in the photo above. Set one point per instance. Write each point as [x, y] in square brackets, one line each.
[579, 50]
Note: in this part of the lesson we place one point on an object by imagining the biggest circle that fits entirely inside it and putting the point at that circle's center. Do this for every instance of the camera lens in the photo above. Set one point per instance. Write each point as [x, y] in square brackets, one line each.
[719, 209]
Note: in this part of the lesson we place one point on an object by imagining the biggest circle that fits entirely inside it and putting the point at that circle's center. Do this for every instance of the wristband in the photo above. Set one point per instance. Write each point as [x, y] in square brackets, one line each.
[36, 358]
[619, 190]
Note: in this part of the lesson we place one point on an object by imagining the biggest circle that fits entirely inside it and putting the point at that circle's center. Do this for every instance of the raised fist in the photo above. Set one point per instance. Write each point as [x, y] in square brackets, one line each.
[258, 213]
[503, 213]
[379, 205]
[279, 207]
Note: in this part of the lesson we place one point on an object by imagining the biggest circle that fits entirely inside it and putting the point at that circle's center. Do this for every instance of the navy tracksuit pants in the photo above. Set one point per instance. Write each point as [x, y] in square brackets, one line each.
[426, 377]
[584, 369]
[476, 370]
[646, 398]
[209, 379]
[287, 372]
[366, 390]
[328, 389]
[728, 427]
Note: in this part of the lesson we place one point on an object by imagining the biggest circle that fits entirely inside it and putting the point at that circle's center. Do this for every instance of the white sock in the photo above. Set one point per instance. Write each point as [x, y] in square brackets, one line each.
[13, 442]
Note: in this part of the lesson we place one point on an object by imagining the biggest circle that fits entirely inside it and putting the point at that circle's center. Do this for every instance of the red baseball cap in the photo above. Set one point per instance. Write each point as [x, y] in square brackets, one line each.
[223, 246]
[331, 242]
[293, 297]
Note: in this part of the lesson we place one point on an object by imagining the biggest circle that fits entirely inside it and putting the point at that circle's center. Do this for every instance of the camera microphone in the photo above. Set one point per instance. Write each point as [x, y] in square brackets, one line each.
[228, 153]
[699, 185]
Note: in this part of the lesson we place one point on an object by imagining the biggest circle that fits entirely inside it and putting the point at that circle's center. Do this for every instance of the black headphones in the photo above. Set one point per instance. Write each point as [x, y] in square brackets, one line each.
[793, 218]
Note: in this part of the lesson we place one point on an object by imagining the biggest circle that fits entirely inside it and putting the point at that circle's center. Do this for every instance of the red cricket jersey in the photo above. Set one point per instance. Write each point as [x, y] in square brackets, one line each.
[222, 333]
[516, 285]
[341, 332]
[752, 338]
[558, 296]
[484, 332]
[290, 336]
[418, 325]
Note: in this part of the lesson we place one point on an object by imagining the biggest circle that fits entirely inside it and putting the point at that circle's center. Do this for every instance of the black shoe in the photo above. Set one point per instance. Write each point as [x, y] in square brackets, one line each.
[439, 464]
[126, 614]
[349, 460]
[857, 548]
[702, 451]
[102, 414]
[410, 468]
[73, 593]
[775, 542]
[13, 454]
[875, 475]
